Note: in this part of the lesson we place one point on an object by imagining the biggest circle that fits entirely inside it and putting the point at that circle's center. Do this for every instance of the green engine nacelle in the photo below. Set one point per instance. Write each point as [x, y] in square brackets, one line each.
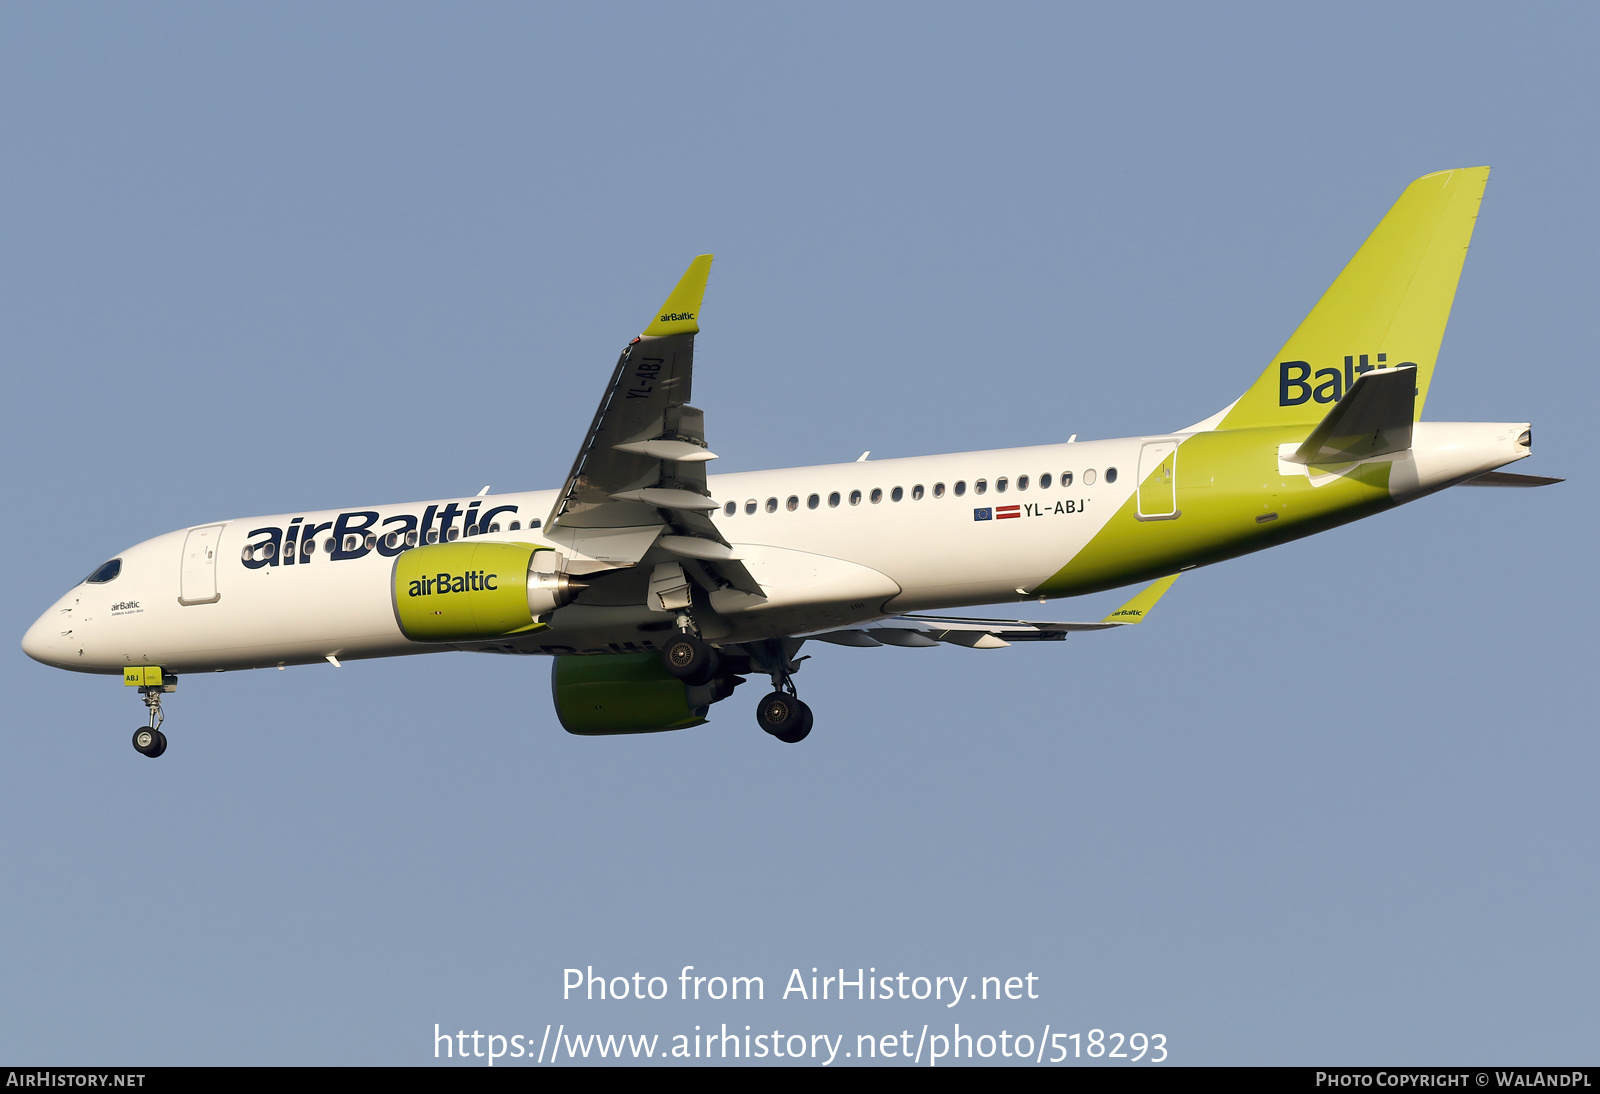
[473, 591]
[603, 693]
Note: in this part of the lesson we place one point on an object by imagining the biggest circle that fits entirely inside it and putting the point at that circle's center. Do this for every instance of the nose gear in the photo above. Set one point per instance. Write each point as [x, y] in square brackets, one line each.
[148, 740]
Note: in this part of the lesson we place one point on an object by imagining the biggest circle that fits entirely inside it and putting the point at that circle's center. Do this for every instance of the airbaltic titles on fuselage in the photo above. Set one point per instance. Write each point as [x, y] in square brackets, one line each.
[360, 532]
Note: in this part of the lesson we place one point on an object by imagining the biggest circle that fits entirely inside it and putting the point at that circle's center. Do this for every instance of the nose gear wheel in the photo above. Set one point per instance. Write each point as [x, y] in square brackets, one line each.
[149, 742]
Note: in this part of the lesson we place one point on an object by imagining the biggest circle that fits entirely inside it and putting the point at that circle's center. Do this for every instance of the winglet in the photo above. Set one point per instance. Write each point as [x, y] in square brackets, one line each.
[680, 314]
[1145, 599]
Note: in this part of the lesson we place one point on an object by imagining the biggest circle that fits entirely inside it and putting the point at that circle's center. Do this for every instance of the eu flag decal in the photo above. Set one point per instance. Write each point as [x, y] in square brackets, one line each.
[983, 514]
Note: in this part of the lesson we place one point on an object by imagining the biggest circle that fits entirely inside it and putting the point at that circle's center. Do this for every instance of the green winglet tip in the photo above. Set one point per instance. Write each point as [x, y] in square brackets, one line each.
[681, 313]
[1135, 610]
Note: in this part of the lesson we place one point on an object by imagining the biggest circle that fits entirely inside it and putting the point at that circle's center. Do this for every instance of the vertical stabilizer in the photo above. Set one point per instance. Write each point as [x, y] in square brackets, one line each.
[1387, 308]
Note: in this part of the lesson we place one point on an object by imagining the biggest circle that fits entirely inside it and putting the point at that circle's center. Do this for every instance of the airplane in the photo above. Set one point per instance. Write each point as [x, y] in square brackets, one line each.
[656, 588]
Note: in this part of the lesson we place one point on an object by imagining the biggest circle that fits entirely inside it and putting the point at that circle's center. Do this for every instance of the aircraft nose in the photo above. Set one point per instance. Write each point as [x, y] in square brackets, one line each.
[45, 641]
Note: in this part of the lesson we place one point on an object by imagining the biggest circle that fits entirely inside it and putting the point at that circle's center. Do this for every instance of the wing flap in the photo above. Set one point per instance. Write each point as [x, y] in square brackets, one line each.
[987, 634]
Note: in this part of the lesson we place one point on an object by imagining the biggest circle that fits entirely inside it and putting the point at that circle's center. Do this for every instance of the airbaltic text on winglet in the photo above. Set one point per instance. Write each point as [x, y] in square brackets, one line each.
[675, 316]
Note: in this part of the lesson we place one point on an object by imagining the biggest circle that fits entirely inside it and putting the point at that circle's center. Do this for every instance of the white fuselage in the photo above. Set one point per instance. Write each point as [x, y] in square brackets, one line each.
[903, 535]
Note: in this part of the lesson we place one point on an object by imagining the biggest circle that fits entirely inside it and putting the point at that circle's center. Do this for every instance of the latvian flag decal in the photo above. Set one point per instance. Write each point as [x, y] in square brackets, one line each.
[1003, 512]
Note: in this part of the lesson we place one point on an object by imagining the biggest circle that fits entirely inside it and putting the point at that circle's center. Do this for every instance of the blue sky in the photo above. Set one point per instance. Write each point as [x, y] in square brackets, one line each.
[1332, 804]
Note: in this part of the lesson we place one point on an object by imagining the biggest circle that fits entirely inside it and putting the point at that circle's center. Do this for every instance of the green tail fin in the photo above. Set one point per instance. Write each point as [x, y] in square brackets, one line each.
[1388, 307]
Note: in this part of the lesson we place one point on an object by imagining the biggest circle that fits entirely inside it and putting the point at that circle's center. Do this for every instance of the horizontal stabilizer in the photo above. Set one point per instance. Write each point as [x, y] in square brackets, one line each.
[1373, 419]
[1506, 478]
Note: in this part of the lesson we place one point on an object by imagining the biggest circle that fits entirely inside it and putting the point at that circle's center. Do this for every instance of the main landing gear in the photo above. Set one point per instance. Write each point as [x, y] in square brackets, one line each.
[712, 674]
[785, 717]
[148, 740]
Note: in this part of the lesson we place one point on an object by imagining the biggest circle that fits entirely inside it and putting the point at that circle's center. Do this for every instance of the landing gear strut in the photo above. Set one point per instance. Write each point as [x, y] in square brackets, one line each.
[781, 714]
[712, 675]
[148, 740]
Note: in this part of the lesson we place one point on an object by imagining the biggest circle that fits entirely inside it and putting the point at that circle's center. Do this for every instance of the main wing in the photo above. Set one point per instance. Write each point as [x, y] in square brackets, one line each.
[640, 477]
[987, 634]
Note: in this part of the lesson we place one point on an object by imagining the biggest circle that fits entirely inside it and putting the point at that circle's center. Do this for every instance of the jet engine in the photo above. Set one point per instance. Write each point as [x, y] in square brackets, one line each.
[476, 591]
[605, 693]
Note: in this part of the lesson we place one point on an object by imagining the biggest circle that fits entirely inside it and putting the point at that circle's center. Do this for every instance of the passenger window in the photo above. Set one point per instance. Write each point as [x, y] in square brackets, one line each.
[855, 497]
[433, 535]
[1111, 474]
[981, 486]
[372, 541]
[455, 534]
[516, 526]
[472, 530]
[495, 527]
[877, 495]
[961, 488]
[1044, 481]
[411, 539]
[1022, 482]
[106, 571]
[896, 494]
[813, 501]
[1088, 477]
[533, 524]
[1066, 478]
[750, 507]
[938, 489]
[330, 545]
[772, 505]
[1000, 485]
[731, 508]
[833, 500]
[792, 504]
[916, 492]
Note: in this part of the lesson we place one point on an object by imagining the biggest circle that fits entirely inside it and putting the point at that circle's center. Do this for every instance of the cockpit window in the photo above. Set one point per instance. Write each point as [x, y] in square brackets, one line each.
[107, 572]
